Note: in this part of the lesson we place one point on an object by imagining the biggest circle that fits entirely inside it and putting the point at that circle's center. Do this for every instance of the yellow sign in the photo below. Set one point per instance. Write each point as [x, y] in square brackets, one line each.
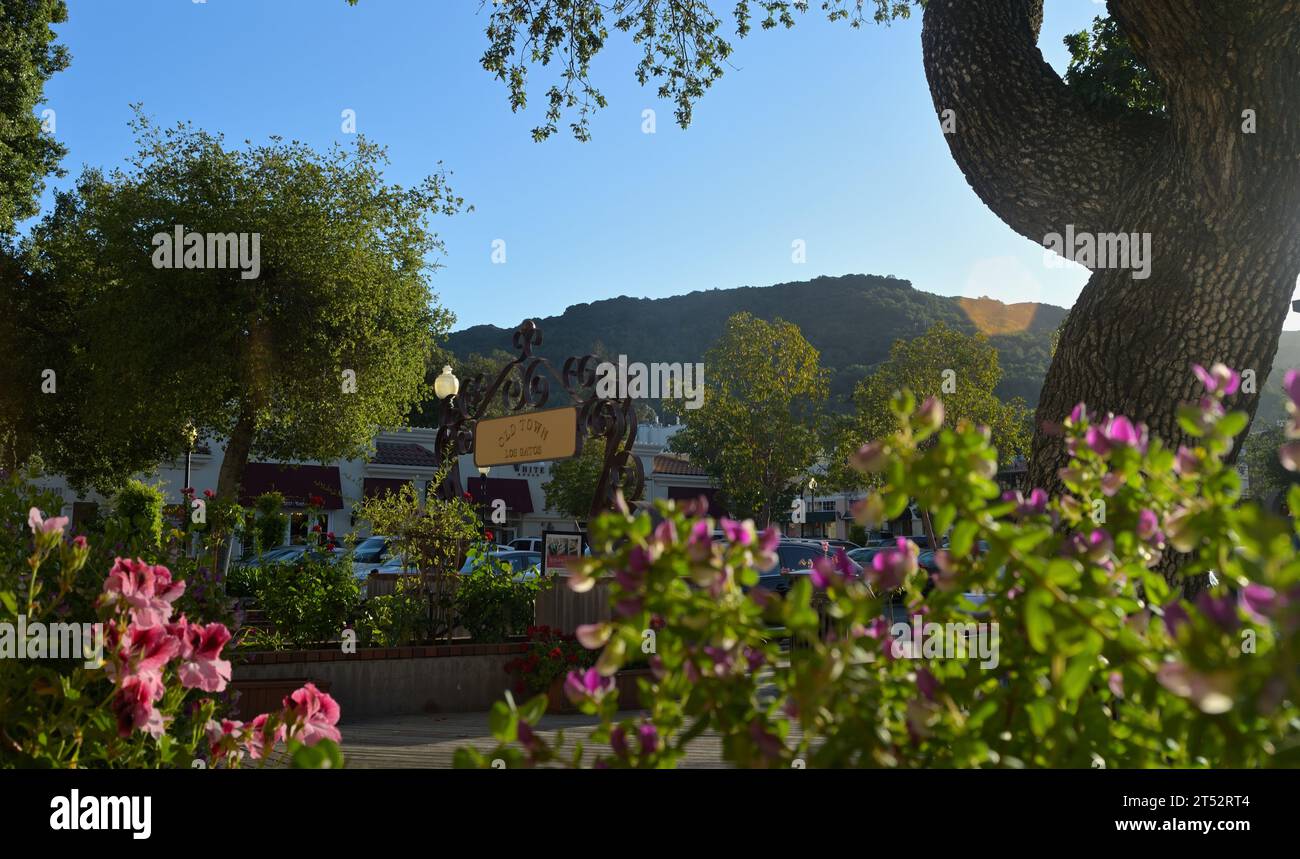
[527, 437]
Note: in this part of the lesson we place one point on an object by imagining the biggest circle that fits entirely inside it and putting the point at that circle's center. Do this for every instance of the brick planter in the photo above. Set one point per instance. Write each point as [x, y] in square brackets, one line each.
[386, 681]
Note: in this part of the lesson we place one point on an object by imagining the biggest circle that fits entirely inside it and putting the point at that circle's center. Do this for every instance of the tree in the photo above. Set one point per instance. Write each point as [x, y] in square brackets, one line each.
[1210, 174]
[573, 481]
[301, 361]
[28, 58]
[1269, 479]
[962, 369]
[28, 153]
[758, 429]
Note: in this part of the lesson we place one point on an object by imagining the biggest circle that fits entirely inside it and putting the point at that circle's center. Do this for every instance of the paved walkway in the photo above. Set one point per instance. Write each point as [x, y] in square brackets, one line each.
[430, 741]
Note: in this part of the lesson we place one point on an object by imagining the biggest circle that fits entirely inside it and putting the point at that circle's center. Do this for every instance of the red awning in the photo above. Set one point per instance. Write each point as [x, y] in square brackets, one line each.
[690, 493]
[297, 483]
[512, 490]
[372, 487]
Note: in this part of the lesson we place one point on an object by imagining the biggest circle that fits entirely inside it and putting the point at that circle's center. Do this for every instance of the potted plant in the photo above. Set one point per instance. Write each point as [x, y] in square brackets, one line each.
[551, 655]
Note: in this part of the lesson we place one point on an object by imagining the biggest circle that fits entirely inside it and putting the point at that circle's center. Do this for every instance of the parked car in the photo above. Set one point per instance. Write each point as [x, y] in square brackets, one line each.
[370, 554]
[795, 558]
[525, 565]
[277, 555]
[526, 544]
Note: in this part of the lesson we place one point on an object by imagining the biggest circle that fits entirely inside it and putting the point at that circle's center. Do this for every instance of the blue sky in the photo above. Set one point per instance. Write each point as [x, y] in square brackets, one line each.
[821, 134]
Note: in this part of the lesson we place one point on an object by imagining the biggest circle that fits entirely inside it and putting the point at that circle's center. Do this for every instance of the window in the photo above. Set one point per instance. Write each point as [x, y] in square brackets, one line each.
[299, 527]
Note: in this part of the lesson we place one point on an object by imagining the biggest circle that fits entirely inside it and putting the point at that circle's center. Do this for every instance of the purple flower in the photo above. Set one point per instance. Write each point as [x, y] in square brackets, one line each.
[666, 532]
[618, 740]
[769, 746]
[649, 737]
[699, 545]
[926, 684]
[1219, 380]
[1185, 462]
[891, 567]
[1148, 526]
[594, 635]
[1117, 431]
[1035, 506]
[1260, 602]
[1175, 617]
[738, 532]
[1222, 610]
[587, 685]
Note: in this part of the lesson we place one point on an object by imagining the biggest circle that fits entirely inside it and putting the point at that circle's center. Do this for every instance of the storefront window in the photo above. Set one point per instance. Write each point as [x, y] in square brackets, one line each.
[300, 526]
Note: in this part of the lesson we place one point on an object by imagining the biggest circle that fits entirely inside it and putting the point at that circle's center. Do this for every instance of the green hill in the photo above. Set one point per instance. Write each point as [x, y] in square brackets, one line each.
[852, 320]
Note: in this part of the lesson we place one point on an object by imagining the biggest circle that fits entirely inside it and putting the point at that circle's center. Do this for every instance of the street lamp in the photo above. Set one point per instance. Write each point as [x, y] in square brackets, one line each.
[191, 436]
[446, 385]
[812, 490]
[482, 494]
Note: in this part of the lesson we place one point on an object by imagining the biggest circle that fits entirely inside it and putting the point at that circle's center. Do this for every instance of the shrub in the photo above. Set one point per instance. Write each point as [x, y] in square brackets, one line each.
[551, 655]
[490, 604]
[1097, 660]
[308, 602]
[269, 523]
[396, 619]
[138, 509]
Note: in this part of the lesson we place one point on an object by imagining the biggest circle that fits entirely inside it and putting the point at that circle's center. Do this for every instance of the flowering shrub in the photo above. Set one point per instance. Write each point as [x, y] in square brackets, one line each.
[490, 603]
[1097, 660]
[551, 655]
[146, 697]
[308, 601]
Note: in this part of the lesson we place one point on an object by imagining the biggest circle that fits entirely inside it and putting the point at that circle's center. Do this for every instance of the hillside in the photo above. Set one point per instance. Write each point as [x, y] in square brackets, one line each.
[852, 320]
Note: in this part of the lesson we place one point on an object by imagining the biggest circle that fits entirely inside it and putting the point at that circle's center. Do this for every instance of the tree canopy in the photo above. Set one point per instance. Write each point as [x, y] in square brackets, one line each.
[758, 429]
[303, 361]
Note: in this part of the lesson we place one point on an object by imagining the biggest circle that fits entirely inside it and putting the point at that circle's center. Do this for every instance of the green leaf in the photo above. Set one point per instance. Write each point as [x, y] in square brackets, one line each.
[324, 755]
[1077, 674]
[533, 711]
[963, 538]
[503, 722]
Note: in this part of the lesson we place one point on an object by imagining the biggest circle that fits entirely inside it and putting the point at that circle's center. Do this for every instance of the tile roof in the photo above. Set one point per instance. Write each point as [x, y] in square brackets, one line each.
[667, 463]
[403, 453]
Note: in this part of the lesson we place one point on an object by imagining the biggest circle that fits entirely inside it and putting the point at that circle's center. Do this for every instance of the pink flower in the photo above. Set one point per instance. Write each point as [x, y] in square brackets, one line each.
[830, 572]
[1185, 462]
[142, 651]
[40, 525]
[930, 415]
[260, 738]
[1289, 455]
[201, 664]
[312, 715]
[665, 532]
[594, 635]
[222, 737]
[1291, 383]
[1116, 431]
[1036, 505]
[869, 458]
[148, 591]
[133, 705]
[1219, 379]
[891, 567]
[699, 545]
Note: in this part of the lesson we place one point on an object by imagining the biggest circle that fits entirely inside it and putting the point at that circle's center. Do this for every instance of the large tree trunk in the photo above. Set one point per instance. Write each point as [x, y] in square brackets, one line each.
[233, 461]
[1222, 206]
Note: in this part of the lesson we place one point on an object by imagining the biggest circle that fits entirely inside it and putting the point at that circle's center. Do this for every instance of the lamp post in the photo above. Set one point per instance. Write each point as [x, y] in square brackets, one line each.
[812, 494]
[191, 436]
[445, 387]
[482, 494]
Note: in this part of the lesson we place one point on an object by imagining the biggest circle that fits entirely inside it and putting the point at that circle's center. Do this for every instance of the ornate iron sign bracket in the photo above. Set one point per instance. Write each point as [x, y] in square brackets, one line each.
[524, 384]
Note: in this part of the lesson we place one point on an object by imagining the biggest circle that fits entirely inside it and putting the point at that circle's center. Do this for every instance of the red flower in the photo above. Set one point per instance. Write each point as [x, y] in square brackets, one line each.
[315, 501]
[556, 653]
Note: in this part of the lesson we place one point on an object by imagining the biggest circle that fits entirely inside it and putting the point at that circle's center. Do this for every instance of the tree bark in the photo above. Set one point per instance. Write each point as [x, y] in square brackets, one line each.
[1220, 204]
[233, 461]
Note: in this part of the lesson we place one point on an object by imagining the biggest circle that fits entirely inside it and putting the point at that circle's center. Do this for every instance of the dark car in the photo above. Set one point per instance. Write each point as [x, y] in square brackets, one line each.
[795, 558]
